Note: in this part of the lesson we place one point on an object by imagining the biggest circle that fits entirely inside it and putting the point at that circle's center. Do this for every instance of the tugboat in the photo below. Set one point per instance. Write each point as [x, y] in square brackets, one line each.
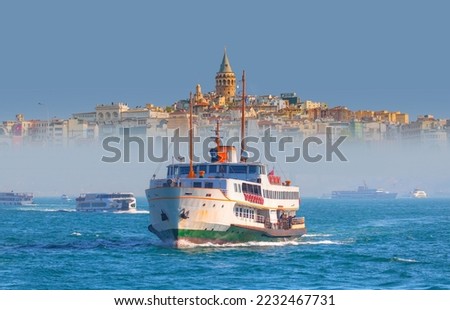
[227, 200]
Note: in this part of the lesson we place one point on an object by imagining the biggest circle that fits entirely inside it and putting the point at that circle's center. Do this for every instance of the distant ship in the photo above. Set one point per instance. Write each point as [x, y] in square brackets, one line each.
[418, 193]
[103, 202]
[16, 199]
[363, 192]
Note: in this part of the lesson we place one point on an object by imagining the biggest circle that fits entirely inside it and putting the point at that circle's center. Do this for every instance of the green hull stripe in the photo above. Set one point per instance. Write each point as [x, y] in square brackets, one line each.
[233, 234]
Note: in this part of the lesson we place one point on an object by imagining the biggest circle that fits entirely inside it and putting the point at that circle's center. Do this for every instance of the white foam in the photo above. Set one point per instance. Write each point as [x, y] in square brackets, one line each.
[297, 242]
[317, 235]
[75, 233]
[404, 260]
[328, 242]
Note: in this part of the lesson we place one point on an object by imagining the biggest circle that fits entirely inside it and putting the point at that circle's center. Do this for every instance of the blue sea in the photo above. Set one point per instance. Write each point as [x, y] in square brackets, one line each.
[396, 244]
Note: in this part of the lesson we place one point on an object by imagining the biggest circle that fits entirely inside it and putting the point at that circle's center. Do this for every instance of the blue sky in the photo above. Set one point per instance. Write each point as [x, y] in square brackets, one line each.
[72, 55]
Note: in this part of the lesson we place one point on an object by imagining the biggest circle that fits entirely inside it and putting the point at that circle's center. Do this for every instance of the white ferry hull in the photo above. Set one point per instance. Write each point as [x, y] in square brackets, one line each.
[199, 215]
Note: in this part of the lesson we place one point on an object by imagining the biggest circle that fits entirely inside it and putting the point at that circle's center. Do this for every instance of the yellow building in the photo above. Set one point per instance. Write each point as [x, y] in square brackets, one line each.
[364, 115]
[392, 117]
[402, 118]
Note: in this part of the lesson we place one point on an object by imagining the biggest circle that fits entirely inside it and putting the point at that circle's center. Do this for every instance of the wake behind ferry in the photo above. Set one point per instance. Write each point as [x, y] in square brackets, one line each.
[226, 200]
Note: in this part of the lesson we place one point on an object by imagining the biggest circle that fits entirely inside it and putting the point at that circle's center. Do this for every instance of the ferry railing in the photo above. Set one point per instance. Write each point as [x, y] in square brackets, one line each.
[260, 219]
[298, 221]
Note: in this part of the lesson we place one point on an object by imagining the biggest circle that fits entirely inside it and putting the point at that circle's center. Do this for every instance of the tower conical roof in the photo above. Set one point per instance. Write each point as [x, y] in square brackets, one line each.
[225, 67]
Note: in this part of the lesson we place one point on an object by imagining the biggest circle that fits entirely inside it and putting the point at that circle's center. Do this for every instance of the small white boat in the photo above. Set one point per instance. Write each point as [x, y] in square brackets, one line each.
[64, 197]
[418, 193]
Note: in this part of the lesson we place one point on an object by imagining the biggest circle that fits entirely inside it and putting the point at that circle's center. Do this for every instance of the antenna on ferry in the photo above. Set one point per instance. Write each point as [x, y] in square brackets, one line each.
[217, 132]
[191, 174]
[243, 117]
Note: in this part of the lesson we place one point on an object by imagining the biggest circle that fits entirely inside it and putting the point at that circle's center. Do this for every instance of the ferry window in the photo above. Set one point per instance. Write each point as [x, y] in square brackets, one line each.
[254, 169]
[197, 184]
[263, 170]
[240, 189]
[245, 187]
[202, 168]
[170, 171]
[208, 184]
[222, 169]
[235, 187]
[184, 170]
[212, 169]
[238, 169]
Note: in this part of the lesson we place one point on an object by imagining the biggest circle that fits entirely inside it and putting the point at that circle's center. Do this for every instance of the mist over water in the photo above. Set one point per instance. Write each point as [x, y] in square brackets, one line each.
[394, 167]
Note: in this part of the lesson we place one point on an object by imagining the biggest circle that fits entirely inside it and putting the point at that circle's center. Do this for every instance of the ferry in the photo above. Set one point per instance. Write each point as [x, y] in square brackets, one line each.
[226, 200]
[106, 202]
[16, 199]
[363, 192]
[418, 193]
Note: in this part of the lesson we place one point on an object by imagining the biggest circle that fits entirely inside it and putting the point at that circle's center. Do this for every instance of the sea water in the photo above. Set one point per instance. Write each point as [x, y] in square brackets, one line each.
[391, 244]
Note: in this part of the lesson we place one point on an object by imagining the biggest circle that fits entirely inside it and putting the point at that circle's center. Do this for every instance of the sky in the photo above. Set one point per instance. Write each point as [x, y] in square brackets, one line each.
[72, 55]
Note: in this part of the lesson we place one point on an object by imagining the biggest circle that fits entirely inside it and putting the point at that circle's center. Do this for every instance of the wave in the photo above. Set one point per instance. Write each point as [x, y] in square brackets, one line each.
[133, 212]
[317, 235]
[34, 209]
[404, 260]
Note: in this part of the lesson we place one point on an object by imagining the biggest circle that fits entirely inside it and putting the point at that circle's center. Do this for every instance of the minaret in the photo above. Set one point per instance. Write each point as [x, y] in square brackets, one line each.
[225, 79]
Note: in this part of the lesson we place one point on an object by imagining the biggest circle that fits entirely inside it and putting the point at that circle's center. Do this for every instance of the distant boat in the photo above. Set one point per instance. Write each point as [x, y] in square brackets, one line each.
[104, 202]
[363, 192]
[16, 199]
[418, 193]
[64, 197]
